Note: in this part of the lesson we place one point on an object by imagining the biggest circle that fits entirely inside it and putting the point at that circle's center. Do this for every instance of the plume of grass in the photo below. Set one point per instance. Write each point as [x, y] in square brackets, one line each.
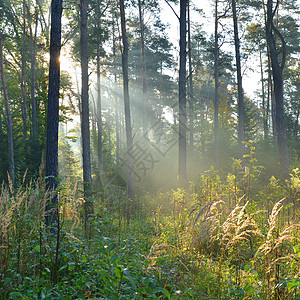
[276, 250]
[205, 222]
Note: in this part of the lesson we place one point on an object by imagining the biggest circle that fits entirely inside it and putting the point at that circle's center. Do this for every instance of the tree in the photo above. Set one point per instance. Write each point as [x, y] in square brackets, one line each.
[216, 77]
[130, 179]
[182, 94]
[53, 111]
[277, 70]
[8, 115]
[241, 134]
[144, 71]
[191, 87]
[85, 124]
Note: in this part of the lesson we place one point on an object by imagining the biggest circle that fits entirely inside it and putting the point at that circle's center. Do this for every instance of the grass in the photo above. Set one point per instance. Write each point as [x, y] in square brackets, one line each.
[226, 237]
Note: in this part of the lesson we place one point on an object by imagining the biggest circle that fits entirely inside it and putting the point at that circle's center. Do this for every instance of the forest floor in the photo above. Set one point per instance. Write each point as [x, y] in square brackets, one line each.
[224, 237]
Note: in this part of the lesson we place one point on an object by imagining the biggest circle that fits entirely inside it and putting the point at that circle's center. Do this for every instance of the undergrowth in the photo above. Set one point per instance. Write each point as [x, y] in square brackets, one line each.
[227, 236]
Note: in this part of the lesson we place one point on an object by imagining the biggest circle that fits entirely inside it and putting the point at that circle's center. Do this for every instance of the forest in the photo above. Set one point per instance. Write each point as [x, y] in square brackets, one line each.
[150, 149]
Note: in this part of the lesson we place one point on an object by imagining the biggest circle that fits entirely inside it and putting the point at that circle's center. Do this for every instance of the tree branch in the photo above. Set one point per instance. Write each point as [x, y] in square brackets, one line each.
[172, 9]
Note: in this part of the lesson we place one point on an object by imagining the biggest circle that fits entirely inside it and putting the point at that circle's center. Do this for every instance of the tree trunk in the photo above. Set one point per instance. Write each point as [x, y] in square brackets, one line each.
[85, 124]
[33, 75]
[130, 179]
[99, 114]
[53, 110]
[182, 95]
[23, 78]
[264, 109]
[11, 167]
[191, 90]
[144, 72]
[216, 102]
[241, 132]
[271, 94]
[278, 90]
[116, 98]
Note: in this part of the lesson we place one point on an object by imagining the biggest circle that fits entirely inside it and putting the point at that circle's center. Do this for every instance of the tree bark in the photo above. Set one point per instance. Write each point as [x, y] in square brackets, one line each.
[278, 90]
[191, 88]
[85, 124]
[11, 167]
[130, 179]
[182, 95]
[117, 108]
[99, 115]
[264, 108]
[241, 131]
[216, 100]
[33, 37]
[53, 111]
[144, 71]
[23, 78]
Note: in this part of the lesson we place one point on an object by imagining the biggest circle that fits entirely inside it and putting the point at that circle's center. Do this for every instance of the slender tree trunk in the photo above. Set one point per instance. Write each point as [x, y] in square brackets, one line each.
[182, 95]
[99, 115]
[241, 132]
[23, 78]
[53, 110]
[264, 109]
[191, 87]
[216, 102]
[85, 124]
[11, 167]
[271, 95]
[278, 90]
[130, 161]
[117, 108]
[33, 74]
[144, 71]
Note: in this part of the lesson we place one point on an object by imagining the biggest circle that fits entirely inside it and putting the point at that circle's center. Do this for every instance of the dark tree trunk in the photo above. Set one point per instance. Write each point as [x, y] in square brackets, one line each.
[11, 160]
[99, 115]
[191, 90]
[264, 108]
[130, 180]
[241, 132]
[182, 95]
[23, 78]
[33, 76]
[278, 89]
[53, 110]
[144, 71]
[85, 124]
[216, 102]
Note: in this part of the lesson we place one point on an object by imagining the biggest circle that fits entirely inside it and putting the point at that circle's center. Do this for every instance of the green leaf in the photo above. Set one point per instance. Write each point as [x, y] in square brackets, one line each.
[37, 248]
[166, 293]
[119, 272]
[249, 289]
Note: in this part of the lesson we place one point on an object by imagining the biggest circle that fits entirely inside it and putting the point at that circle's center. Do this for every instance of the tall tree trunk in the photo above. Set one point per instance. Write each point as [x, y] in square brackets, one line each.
[23, 78]
[117, 108]
[241, 131]
[130, 179]
[278, 88]
[216, 102]
[271, 94]
[99, 114]
[182, 94]
[191, 88]
[264, 109]
[11, 167]
[85, 124]
[144, 71]
[53, 110]
[33, 37]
